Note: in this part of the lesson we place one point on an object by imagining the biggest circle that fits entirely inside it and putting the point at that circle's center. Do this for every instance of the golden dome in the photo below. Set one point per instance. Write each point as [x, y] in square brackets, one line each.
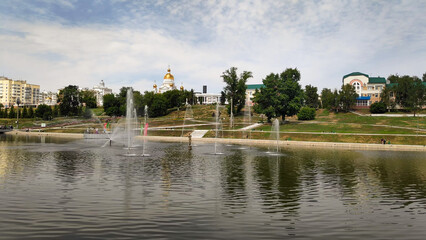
[181, 88]
[155, 85]
[169, 75]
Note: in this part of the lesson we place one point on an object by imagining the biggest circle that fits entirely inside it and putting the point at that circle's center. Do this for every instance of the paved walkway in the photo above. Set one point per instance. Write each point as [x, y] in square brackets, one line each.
[251, 127]
[388, 115]
[198, 133]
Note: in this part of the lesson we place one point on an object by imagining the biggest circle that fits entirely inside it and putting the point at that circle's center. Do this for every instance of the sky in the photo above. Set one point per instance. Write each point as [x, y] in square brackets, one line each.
[56, 43]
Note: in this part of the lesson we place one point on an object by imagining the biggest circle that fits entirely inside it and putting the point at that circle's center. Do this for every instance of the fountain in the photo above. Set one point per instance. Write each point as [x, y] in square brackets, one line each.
[231, 123]
[144, 133]
[131, 122]
[247, 122]
[218, 122]
[275, 135]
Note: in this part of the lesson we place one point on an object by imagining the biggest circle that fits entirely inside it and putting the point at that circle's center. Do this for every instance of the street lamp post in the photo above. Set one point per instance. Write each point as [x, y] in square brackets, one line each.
[17, 113]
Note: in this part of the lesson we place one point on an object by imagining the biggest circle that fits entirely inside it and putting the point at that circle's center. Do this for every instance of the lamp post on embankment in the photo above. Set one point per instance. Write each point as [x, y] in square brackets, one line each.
[18, 101]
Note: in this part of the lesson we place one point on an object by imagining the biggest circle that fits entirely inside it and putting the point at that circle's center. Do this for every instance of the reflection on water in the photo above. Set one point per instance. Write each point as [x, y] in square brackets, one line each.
[53, 188]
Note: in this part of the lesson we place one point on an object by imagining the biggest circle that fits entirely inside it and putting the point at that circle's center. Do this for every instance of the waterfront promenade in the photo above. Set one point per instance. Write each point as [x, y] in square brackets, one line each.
[252, 142]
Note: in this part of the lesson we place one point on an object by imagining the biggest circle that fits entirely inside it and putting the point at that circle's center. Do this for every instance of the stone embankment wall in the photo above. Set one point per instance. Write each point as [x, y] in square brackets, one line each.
[252, 142]
[294, 144]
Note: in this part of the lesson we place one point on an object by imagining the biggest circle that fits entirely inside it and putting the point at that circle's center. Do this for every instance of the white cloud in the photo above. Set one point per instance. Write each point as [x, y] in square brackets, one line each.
[200, 39]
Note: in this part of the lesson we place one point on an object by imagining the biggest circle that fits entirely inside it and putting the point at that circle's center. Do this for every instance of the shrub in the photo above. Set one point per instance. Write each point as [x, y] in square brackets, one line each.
[44, 112]
[306, 113]
[378, 107]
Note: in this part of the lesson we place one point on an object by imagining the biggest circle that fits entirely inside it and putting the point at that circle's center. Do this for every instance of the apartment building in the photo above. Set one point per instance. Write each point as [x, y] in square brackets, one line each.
[13, 90]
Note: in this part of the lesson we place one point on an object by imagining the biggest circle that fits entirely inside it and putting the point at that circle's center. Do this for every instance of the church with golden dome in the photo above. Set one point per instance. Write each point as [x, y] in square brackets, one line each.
[168, 83]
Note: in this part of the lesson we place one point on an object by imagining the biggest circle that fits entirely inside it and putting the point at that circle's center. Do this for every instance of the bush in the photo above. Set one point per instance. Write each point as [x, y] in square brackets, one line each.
[44, 112]
[378, 107]
[306, 113]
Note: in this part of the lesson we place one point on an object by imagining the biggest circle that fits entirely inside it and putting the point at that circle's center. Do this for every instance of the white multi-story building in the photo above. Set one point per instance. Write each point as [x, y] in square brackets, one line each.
[48, 98]
[207, 98]
[12, 91]
[100, 91]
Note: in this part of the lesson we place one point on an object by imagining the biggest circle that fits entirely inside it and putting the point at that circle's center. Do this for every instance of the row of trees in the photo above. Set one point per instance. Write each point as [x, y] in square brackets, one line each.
[42, 111]
[282, 95]
[409, 92]
[159, 104]
[72, 102]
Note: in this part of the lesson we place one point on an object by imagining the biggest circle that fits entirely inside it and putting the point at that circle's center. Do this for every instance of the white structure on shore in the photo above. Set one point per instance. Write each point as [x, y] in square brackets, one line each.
[100, 91]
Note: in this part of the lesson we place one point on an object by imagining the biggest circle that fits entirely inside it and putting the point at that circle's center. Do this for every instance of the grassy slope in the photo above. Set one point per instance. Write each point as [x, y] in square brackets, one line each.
[325, 122]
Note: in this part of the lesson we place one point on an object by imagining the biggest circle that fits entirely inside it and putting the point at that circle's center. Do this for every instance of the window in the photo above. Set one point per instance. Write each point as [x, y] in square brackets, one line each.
[357, 85]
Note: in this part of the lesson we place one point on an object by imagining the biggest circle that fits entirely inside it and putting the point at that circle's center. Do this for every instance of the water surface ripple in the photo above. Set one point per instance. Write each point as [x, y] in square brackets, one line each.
[58, 189]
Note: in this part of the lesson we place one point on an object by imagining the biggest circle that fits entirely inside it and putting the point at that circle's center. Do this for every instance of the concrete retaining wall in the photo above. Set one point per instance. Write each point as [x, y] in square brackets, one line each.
[251, 142]
[62, 135]
[294, 144]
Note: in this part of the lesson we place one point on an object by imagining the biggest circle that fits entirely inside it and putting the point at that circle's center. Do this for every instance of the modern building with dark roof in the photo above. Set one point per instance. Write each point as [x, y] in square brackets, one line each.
[368, 88]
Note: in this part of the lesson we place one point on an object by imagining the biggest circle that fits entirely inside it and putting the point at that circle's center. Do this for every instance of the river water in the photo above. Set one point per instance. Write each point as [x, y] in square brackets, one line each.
[63, 189]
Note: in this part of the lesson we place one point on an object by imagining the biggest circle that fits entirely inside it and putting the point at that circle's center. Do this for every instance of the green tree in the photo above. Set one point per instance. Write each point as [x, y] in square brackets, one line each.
[70, 100]
[24, 112]
[235, 88]
[378, 107]
[393, 78]
[31, 112]
[191, 97]
[330, 99]
[385, 97]
[44, 111]
[111, 105]
[311, 96]
[174, 98]
[5, 113]
[306, 113]
[55, 111]
[12, 113]
[424, 77]
[158, 106]
[149, 98]
[138, 100]
[87, 113]
[89, 98]
[347, 97]
[410, 93]
[222, 98]
[281, 95]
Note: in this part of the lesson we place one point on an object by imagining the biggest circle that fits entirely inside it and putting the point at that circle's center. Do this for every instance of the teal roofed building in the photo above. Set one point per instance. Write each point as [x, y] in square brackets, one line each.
[368, 88]
[251, 89]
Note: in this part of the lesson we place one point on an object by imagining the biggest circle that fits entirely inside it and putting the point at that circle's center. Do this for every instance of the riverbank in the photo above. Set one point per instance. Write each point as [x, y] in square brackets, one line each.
[251, 142]
[292, 144]
[50, 134]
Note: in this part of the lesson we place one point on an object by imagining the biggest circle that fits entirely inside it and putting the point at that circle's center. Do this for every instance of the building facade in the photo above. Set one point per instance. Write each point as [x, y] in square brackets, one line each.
[48, 98]
[100, 90]
[12, 91]
[207, 98]
[251, 89]
[167, 85]
[368, 88]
